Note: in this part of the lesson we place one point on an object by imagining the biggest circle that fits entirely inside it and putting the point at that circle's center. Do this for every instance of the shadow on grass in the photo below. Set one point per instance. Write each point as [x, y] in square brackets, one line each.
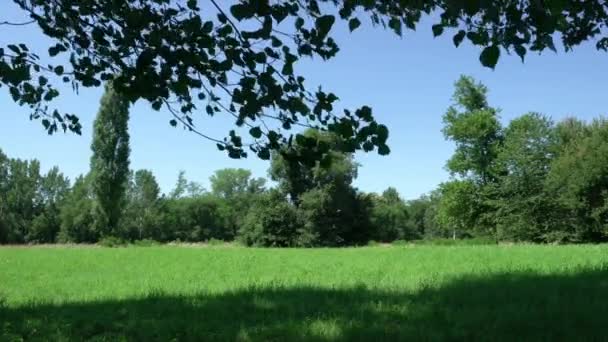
[513, 307]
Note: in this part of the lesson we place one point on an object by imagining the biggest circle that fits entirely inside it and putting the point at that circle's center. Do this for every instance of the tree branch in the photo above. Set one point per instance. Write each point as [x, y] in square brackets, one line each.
[17, 24]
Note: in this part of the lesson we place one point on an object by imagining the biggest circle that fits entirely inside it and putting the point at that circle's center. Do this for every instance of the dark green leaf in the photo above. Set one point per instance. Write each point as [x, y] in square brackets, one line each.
[395, 24]
[255, 132]
[437, 30]
[520, 51]
[383, 150]
[156, 105]
[240, 11]
[264, 154]
[459, 37]
[299, 23]
[489, 56]
[59, 70]
[192, 4]
[14, 48]
[324, 24]
[353, 24]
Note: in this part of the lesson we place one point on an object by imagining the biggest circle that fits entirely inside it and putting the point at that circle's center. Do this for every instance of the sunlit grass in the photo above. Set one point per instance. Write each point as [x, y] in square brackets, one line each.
[231, 293]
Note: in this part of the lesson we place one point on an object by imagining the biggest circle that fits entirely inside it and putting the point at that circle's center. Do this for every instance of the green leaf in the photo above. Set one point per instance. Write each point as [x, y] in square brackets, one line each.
[54, 50]
[156, 105]
[207, 26]
[14, 48]
[264, 154]
[324, 24]
[459, 37]
[489, 56]
[353, 24]
[240, 11]
[520, 51]
[383, 150]
[42, 80]
[437, 30]
[192, 4]
[59, 70]
[395, 24]
[209, 109]
[255, 132]
[173, 122]
[299, 23]
[382, 132]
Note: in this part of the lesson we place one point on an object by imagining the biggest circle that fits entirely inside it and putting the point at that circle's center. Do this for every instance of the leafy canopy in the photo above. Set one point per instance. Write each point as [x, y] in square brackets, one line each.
[239, 60]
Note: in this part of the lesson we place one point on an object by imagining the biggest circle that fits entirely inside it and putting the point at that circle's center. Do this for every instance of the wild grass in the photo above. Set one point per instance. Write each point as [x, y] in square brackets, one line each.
[163, 293]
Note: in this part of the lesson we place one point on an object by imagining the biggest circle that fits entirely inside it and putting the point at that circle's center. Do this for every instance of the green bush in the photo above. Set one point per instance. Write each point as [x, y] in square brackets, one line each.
[271, 222]
[334, 216]
[111, 241]
[477, 241]
[145, 243]
[215, 242]
[401, 243]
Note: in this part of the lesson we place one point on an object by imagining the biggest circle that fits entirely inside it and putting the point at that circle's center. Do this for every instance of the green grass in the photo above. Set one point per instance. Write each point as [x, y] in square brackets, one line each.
[509, 293]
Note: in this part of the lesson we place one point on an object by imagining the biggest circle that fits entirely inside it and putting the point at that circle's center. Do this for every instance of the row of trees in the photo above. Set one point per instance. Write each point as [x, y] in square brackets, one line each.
[533, 180]
[311, 206]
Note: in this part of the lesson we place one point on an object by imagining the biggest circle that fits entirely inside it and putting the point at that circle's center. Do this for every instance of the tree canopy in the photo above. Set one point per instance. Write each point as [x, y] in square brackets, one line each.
[239, 60]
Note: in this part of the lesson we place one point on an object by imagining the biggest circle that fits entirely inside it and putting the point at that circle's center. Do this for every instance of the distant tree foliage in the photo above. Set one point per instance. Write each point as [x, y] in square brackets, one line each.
[532, 180]
[110, 160]
[77, 217]
[390, 218]
[271, 222]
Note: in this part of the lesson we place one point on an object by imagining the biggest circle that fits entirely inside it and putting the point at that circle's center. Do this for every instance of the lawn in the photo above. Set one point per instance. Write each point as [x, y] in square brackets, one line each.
[509, 293]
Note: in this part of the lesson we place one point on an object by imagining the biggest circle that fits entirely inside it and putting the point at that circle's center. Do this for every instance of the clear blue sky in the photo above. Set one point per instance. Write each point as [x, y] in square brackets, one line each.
[408, 81]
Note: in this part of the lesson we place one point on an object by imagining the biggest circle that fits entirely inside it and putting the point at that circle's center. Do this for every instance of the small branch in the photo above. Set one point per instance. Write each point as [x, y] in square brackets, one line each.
[236, 29]
[189, 126]
[291, 122]
[17, 24]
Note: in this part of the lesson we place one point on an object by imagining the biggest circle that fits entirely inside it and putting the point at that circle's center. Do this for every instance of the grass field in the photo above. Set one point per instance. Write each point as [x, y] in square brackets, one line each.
[510, 293]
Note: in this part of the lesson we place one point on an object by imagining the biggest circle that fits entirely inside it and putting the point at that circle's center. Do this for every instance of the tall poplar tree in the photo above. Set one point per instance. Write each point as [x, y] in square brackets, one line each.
[110, 161]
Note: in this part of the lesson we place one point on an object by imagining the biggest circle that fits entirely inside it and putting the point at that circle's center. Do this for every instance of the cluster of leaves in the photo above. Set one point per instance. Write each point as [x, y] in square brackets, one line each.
[240, 60]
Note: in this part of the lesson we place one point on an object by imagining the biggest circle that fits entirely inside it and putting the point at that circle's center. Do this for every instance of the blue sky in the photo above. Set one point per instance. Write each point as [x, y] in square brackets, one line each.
[408, 81]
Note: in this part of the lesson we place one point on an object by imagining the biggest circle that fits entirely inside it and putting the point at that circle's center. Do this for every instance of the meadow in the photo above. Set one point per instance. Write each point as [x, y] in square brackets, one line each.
[427, 293]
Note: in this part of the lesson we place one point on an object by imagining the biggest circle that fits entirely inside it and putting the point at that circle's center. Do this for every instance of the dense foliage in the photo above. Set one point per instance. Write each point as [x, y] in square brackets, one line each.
[532, 180]
[240, 58]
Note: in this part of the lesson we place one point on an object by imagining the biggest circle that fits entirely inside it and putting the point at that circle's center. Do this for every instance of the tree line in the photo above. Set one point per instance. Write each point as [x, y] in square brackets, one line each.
[532, 180]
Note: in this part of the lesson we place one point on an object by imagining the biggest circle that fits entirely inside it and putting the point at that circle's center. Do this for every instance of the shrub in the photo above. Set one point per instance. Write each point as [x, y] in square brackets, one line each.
[334, 216]
[111, 241]
[194, 219]
[215, 242]
[145, 243]
[270, 222]
[477, 241]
